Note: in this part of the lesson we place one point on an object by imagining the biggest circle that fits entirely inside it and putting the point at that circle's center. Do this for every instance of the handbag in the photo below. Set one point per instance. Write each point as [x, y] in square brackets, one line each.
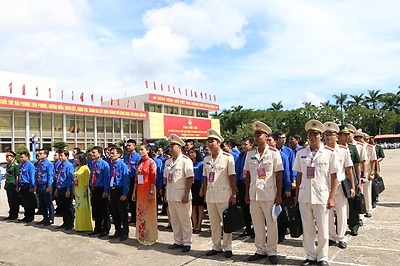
[346, 188]
[359, 203]
[232, 219]
[378, 185]
[295, 226]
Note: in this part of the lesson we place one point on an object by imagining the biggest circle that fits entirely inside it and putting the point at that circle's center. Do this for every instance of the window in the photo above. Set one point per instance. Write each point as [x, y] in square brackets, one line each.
[201, 113]
[171, 110]
[187, 112]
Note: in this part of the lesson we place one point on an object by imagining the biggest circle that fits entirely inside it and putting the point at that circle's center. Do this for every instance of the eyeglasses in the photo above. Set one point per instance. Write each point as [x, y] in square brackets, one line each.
[211, 140]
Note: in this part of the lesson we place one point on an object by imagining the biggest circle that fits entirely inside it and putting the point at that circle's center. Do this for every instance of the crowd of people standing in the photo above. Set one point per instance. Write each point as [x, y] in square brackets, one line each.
[126, 186]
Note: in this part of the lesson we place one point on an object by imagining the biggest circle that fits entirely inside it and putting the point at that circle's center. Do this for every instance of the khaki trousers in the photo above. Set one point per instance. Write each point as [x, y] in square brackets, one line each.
[367, 191]
[261, 215]
[215, 211]
[318, 213]
[338, 233]
[180, 216]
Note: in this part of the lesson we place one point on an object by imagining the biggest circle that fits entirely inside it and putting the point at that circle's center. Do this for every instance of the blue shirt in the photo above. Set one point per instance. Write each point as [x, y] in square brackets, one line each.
[74, 162]
[65, 175]
[235, 153]
[286, 181]
[159, 173]
[239, 167]
[288, 151]
[131, 160]
[198, 171]
[102, 171]
[26, 175]
[56, 168]
[44, 173]
[119, 176]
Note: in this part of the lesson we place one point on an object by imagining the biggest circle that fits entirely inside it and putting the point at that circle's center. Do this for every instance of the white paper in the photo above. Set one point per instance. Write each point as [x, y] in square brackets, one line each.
[140, 179]
[276, 210]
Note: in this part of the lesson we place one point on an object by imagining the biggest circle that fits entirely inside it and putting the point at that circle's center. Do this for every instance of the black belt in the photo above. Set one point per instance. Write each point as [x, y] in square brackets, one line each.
[117, 187]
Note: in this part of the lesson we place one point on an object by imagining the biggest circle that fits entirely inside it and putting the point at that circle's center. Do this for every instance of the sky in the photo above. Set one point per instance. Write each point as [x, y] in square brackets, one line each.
[250, 53]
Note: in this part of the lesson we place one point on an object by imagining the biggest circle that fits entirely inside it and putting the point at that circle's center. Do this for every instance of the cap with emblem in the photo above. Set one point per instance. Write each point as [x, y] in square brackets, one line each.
[174, 139]
[366, 136]
[10, 153]
[212, 134]
[314, 125]
[331, 127]
[351, 128]
[358, 133]
[260, 126]
[344, 130]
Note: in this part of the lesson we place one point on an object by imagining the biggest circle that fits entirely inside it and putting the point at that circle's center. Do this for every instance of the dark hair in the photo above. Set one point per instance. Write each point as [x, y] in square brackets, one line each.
[147, 146]
[45, 151]
[230, 143]
[279, 133]
[65, 152]
[77, 149]
[295, 136]
[131, 141]
[198, 155]
[82, 158]
[189, 140]
[276, 135]
[249, 139]
[99, 149]
[12, 153]
[26, 153]
[118, 150]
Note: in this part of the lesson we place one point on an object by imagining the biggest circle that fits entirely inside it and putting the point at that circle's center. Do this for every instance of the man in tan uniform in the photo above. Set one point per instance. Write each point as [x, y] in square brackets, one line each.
[263, 167]
[316, 184]
[219, 173]
[338, 233]
[178, 177]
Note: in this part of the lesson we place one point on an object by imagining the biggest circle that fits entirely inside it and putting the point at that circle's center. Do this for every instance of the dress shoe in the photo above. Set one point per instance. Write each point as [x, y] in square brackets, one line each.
[368, 215]
[342, 245]
[103, 234]
[228, 253]
[213, 252]
[354, 232]
[281, 239]
[114, 236]
[29, 220]
[373, 205]
[41, 222]
[360, 222]
[69, 227]
[174, 246]
[7, 218]
[94, 233]
[47, 223]
[273, 259]
[123, 238]
[23, 219]
[185, 249]
[308, 262]
[61, 226]
[323, 263]
[255, 257]
[331, 242]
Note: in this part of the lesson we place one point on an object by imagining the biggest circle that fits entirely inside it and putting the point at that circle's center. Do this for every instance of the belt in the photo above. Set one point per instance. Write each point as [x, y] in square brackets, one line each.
[116, 187]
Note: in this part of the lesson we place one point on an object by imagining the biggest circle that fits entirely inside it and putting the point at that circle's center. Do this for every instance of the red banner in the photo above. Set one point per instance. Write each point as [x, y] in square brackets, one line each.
[156, 98]
[69, 108]
[187, 127]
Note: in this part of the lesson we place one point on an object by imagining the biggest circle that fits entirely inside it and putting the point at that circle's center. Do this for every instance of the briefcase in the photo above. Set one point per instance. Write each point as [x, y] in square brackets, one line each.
[232, 219]
[346, 188]
[295, 225]
[359, 202]
[283, 217]
[378, 185]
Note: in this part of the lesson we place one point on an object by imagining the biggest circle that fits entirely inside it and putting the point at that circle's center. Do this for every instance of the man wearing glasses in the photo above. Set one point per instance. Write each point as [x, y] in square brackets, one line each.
[316, 184]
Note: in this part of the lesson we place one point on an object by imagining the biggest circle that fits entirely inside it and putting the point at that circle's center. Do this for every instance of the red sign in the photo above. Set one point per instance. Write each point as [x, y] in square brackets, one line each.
[182, 102]
[187, 127]
[59, 107]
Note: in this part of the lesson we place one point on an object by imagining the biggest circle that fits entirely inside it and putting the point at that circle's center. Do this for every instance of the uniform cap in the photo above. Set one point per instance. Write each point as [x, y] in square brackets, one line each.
[344, 130]
[358, 133]
[331, 127]
[212, 134]
[351, 128]
[174, 139]
[314, 125]
[11, 153]
[366, 136]
[260, 126]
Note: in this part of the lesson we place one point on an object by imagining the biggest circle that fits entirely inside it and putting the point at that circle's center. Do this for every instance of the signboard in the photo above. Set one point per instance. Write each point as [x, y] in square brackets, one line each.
[187, 127]
[59, 107]
[156, 98]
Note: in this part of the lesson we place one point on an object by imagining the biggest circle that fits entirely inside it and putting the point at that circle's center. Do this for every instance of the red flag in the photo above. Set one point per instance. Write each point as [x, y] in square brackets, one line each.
[127, 104]
[23, 89]
[118, 102]
[162, 89]
[191, 93]
[186, 92]
[195, 94]
[179, 89]
[37, 91]
[62, 94]
[81, 97]
[112, 101]
[49, 93]
[101, 99]
[205, 96]
[72, 97]
[147, 84]
[92, 98]
[10, 87]
[134, 104]
[173, 89]
[169, 89]
[215, 97]
[154, 85]
[201, 95]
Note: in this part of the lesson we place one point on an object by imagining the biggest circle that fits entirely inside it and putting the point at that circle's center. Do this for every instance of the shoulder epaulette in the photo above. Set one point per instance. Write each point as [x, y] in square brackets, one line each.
[329, 148]
[359, 142]
[342, 146]
[226, 153]
[273, 149]
[371, 145]
[351, 144]
[184, 156]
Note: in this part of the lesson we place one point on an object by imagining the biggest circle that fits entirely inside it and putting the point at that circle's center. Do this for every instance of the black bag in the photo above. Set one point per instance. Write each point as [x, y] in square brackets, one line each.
[232, 219]
[283, 217]
[378, 185]
[295, 226]
[346, 188]
[28, 199]
[359, 203]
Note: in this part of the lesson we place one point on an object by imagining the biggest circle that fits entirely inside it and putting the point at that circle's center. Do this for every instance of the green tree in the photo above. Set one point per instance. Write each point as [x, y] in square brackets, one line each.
[341, 100]
[59, 145]
[276, 106]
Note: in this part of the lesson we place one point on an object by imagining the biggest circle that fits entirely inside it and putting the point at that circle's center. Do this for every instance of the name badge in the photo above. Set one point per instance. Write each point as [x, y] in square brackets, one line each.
[261, 172]
[310, 172]
[76, 182]
[170, 177]
[140, 179]
[211, 176]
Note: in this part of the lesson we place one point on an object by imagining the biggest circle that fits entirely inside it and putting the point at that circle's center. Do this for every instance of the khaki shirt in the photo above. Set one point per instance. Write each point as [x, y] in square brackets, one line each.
[263, 187]
[344, 157]
[175, 175]
[316, 190]
[371, 156]
[219, 189]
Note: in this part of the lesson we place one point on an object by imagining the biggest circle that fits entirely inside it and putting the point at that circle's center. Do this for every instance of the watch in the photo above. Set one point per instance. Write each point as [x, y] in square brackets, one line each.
[233, 196]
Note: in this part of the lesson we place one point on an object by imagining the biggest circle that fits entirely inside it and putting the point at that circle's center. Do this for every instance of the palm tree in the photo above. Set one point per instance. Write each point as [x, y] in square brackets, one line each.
[372, 99]
[357, 100]
[341, 100]
[276, 106]
[391, 102]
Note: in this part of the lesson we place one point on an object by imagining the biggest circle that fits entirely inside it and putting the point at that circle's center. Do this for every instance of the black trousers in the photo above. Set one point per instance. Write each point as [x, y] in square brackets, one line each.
[119, 212]
[58, 209]
[14, 200]
[132, 204]
[284, 225]
[67, 207]
[353, 221]
[241, 187]
[100, 212]
[28, 201]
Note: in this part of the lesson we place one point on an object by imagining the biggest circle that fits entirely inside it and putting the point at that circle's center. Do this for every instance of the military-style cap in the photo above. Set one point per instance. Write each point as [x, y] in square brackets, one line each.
[212, 134]
[358, 133]
[174, 139]
[366, 136]
[331, 127]
[344, 130]
[351, 128]
[314, 125]
[11, 153]
[260, 126]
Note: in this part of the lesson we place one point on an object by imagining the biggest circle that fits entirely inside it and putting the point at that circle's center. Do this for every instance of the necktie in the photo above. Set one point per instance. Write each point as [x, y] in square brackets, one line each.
[129, 162]
[94, 179]
[60, 173]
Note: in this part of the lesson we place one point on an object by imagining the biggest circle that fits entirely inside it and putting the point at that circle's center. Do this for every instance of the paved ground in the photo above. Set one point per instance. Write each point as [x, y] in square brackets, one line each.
[378, 242]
